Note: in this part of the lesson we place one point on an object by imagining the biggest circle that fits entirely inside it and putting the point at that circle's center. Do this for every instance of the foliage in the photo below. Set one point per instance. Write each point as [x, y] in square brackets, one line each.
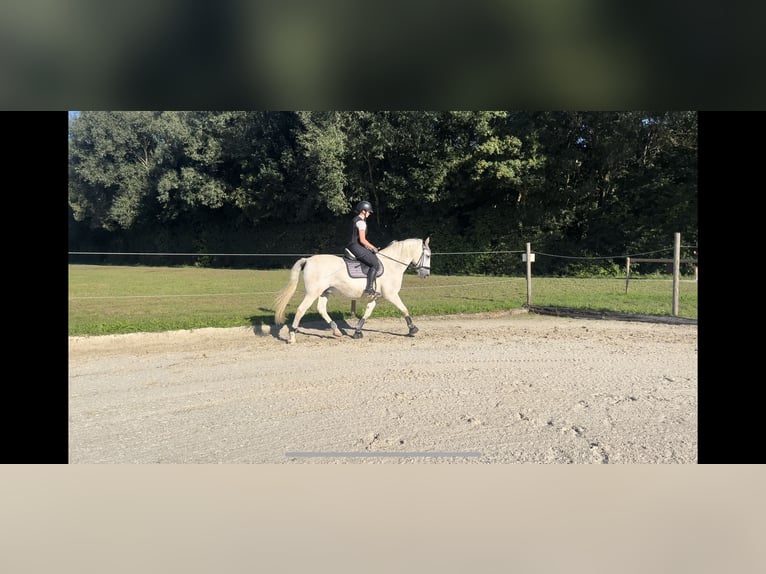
[595, 184]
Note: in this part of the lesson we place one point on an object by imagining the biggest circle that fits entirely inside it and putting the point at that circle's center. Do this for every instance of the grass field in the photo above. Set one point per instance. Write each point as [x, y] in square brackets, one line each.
[107, 300]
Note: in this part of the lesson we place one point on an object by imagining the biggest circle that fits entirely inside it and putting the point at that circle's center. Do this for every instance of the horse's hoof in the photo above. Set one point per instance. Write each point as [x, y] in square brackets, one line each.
[291, 338]
[413, 330]
[337, 333]
[358, 335]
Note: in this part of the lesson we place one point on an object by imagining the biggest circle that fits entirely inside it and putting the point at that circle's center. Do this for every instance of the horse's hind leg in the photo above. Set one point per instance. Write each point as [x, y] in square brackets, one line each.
[299, 312]
[322, 308]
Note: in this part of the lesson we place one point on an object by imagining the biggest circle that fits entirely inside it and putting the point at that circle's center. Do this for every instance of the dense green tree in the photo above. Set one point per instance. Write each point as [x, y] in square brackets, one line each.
[112, 161]
[585, 184]
[323, 142]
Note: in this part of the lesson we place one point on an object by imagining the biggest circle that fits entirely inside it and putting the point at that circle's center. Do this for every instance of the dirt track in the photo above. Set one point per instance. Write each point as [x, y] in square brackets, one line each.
[501, 388]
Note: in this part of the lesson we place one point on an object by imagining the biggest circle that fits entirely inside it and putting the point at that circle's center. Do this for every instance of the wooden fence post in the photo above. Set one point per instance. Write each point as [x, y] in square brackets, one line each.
[695, 265]
[676, 263]
[676, 272]
[627, 273]
[528, 257]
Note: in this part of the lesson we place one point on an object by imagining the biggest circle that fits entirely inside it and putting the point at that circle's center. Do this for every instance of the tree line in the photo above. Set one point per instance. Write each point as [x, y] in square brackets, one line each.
[582, 184]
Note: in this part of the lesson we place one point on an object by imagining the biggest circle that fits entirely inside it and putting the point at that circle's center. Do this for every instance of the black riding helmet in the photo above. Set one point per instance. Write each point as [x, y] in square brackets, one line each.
[363, 206]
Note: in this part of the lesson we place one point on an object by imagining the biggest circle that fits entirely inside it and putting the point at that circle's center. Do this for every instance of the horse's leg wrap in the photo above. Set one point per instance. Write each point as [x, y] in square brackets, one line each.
[335, 331]
[410, 325]
[358, 329]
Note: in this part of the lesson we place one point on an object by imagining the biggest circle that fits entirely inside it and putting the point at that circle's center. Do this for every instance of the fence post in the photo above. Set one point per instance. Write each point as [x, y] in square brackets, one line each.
[676, 272]
[696, 266]
[627, 273]
[528, 258]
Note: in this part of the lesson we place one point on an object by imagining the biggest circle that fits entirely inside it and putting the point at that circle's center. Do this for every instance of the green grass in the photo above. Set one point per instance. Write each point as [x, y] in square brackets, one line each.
[106, 300]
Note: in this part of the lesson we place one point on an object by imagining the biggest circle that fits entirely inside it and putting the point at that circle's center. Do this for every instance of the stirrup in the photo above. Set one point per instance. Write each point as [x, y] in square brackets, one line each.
[371, 293]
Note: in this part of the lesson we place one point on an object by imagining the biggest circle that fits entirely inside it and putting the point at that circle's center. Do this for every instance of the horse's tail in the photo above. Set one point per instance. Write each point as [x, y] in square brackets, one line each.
[283, 297]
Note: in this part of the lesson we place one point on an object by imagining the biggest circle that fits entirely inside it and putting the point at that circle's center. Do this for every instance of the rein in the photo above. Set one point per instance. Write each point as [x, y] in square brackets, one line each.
[418, 265]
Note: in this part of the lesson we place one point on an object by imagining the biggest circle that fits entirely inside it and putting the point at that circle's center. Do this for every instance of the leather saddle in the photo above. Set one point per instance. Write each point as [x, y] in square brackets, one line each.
[356, 268]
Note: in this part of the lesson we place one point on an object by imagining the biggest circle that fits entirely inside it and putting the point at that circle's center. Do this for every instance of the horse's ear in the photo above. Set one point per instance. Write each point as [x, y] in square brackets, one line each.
[426, 241]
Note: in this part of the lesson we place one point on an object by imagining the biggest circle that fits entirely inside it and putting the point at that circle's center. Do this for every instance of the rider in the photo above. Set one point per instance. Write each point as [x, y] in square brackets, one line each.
[362, 248]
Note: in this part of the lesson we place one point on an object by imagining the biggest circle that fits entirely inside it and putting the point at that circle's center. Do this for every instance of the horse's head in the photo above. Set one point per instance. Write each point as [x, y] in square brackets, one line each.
[423, 264]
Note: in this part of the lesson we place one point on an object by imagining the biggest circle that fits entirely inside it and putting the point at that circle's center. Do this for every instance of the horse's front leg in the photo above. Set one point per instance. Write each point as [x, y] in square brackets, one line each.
[367, 312]
[397, 302]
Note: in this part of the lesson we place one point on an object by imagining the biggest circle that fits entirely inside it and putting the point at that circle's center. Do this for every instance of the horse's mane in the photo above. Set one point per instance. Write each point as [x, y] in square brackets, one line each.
[403, 241]
[401, 246]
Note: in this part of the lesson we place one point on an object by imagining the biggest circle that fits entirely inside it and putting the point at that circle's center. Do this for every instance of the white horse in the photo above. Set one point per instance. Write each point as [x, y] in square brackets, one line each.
[325, 275]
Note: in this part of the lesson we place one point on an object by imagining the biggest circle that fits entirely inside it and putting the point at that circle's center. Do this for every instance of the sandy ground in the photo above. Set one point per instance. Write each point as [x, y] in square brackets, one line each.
[499, 388]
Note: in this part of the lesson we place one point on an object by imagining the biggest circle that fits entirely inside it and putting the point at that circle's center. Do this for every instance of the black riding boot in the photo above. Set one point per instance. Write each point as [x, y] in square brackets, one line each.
[369, 290]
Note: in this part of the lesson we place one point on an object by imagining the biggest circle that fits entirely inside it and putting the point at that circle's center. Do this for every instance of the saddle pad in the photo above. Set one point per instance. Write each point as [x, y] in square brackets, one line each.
[358, 270]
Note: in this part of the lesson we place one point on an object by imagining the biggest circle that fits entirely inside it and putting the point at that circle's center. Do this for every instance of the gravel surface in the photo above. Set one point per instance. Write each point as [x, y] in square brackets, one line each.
[491, 388]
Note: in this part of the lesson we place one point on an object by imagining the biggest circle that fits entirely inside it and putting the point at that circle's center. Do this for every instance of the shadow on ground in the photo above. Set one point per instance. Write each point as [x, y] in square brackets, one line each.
[613, 315]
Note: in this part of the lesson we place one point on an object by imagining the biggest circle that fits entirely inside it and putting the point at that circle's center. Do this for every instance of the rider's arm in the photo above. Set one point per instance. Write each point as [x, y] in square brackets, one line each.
[363, 241]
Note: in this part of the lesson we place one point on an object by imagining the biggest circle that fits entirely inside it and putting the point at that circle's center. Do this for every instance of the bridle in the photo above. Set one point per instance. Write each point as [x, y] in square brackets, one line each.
[418, 265]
